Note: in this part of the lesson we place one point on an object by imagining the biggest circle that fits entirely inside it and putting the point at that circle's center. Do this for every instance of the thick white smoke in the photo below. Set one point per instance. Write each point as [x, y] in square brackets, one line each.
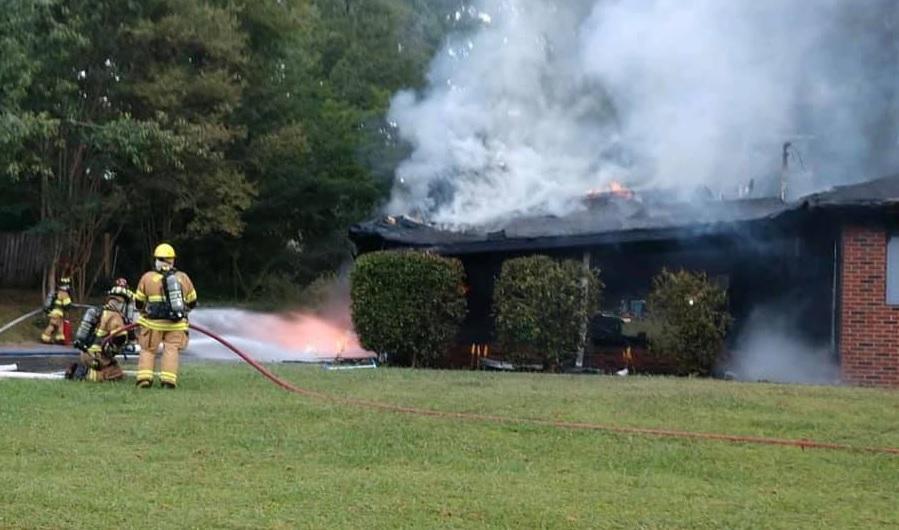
[548, 99]
[770, 349]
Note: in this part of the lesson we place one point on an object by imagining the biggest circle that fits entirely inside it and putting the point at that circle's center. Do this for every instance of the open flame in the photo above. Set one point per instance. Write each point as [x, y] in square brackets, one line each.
[620, 190]
[613, 189]
[312, 334]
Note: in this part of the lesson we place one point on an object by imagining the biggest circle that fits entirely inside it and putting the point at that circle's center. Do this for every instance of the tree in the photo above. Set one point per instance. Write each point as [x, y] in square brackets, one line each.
[126, 103]
[184, 70]
[252, 130]
[61, 123]
[18, 27]
[318, 148]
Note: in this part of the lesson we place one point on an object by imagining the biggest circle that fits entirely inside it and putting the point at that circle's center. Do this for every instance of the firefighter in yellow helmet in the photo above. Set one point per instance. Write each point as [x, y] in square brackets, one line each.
[164, 297]
[100, 337]
[56, 306]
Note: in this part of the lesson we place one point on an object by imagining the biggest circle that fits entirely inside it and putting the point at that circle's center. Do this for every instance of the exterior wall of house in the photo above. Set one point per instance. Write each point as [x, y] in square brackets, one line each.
[869, 338]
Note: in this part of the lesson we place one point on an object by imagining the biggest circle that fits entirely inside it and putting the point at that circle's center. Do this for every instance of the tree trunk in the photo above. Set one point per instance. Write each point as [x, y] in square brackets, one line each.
[107, 255]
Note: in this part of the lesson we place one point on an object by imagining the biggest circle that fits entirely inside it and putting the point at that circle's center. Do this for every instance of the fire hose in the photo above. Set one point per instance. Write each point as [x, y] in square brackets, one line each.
[13, 323]
[23, 318]
[558, 424]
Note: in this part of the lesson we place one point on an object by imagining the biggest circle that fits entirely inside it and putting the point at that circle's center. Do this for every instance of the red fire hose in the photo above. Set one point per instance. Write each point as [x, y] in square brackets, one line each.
[667, 433]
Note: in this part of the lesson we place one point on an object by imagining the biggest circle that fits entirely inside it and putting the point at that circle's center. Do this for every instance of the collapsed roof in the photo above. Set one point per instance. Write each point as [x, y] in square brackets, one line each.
[612, 218]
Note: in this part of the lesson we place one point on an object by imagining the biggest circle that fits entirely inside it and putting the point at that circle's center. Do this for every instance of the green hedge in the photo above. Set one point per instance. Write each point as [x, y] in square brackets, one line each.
[408, 305]
[691, 317]
[541, 306]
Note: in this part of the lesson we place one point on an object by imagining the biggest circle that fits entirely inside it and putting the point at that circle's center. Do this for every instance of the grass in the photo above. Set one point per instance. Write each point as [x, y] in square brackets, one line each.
[13, 304]
[229, 450]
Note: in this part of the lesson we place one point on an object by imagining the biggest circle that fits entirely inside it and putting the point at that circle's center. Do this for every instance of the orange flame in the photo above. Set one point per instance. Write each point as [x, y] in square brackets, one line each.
[620, 190]
[614, 189]
[312, 334]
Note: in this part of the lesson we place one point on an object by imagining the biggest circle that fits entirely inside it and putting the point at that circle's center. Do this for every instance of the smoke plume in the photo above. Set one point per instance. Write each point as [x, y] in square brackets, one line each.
[770, 349]
[548, 99]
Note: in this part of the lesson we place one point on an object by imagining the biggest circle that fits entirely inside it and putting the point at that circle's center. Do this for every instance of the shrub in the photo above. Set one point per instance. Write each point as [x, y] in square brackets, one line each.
[691, 317]
[541, 307]
[408, 305]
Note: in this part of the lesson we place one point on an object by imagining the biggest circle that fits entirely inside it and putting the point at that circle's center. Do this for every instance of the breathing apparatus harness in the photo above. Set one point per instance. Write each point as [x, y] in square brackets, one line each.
[87, 329]
[173, 308]
[119, 300]
[86, 336]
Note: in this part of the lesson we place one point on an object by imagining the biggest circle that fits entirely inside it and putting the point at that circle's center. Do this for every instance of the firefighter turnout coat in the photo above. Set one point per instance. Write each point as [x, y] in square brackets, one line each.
[160, 326]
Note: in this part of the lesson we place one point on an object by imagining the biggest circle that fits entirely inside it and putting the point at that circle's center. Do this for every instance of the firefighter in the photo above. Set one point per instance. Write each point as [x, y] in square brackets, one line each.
[56, 306]
[129, 315]
[101, 337]
[164, 297]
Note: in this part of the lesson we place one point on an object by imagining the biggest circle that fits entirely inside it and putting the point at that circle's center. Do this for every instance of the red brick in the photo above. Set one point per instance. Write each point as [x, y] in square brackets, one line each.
[870, 340]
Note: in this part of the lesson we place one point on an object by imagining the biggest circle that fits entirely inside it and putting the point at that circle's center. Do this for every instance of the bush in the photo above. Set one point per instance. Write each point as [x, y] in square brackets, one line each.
[541, 308]
[408, 305]
[691, 317]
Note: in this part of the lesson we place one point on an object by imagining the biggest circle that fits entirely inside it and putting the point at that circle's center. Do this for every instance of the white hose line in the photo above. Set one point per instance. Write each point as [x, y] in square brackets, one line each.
[22, 318]
[29, 375]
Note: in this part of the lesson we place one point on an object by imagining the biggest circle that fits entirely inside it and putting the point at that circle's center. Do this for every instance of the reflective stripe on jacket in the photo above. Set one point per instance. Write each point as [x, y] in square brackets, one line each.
[151, 289]
[61, 303]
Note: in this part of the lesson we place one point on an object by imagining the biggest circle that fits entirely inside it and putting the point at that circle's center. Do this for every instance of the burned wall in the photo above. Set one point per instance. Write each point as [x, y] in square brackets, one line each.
[785, 273]
[788, 271]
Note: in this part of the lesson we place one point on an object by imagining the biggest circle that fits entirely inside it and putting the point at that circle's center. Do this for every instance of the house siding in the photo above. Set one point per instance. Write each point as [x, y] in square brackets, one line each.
[869, 338]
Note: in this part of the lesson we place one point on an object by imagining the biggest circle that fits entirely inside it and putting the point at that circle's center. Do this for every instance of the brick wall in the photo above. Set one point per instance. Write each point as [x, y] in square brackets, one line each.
[869, 338]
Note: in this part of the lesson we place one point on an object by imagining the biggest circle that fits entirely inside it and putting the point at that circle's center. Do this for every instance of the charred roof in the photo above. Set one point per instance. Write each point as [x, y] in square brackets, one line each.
[879, 192]
[615, 218]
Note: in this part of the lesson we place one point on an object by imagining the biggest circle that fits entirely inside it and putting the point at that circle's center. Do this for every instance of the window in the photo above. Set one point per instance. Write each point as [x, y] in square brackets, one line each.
[893, 270]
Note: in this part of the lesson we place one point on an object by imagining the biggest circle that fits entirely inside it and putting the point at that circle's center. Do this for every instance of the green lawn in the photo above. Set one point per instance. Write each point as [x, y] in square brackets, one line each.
[230, 450]
[13, 304]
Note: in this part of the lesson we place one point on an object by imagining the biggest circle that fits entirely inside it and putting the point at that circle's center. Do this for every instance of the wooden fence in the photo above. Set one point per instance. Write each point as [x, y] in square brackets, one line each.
[23, 257]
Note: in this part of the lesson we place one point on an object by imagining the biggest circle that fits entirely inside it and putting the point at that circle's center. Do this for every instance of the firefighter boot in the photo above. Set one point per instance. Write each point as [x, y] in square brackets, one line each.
[111, 372]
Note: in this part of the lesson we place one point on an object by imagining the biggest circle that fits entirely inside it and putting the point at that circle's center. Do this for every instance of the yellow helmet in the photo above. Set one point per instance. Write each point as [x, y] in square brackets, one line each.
[164, 251]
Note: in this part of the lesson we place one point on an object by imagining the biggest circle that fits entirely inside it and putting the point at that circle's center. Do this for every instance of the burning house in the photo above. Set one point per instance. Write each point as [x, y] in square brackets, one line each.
[821, 271]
